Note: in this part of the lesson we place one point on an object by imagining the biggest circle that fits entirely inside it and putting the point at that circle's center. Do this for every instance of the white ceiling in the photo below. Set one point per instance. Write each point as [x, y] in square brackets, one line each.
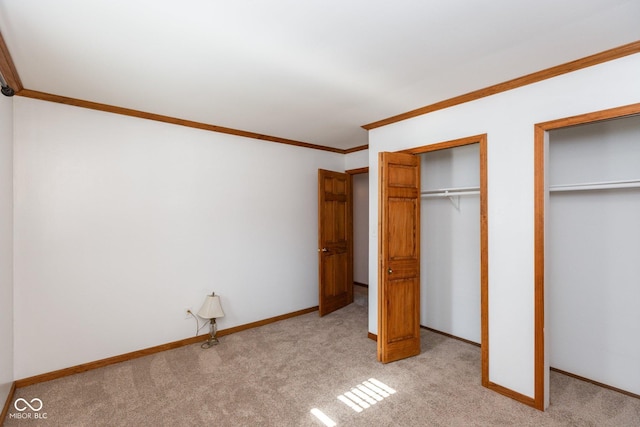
[309, 70]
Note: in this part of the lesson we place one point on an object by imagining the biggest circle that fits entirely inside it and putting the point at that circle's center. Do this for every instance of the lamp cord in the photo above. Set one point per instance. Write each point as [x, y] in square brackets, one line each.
[205, 324]
[198, 327]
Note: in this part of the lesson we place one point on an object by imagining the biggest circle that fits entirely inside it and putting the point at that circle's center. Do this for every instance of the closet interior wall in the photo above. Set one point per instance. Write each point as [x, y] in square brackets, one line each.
[593, 251]
[450, 241]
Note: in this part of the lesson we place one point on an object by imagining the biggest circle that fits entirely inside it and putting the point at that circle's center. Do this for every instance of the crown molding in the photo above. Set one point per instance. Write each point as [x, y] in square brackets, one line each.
[598, 58]
[358, 148]
[10, 74]
[27, 93]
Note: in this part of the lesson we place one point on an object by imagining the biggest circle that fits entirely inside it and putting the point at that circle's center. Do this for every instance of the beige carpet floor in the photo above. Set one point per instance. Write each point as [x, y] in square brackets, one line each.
[277, 374]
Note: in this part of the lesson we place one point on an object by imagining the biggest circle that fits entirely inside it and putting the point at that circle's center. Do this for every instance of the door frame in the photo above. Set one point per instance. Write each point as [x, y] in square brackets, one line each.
[350, 173]
[484, 246]
[541, 138]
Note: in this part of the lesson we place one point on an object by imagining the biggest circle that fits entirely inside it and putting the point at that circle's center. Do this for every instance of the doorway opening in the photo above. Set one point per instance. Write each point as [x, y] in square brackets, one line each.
[342, 247]
[360, 190]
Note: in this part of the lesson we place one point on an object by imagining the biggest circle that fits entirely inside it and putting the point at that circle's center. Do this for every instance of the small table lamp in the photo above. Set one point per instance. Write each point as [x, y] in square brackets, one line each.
[211, 309]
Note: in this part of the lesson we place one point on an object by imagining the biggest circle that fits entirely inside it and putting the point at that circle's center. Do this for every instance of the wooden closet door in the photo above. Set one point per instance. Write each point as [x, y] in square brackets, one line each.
[399, 257]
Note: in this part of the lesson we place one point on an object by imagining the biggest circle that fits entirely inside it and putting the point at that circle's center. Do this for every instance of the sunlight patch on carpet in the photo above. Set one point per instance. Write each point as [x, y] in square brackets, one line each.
[366, 394]
[323, 417]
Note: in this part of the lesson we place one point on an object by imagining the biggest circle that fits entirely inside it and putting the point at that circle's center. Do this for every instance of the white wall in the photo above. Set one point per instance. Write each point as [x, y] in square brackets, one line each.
[121, 223]
[6, 247]
[361, 228]
[450, 243]
[508, 118]
[593, 248]
[356, 160]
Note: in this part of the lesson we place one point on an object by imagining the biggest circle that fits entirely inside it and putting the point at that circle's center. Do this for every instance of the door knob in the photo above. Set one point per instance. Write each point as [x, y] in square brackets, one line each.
[389, 271]
[325, 250]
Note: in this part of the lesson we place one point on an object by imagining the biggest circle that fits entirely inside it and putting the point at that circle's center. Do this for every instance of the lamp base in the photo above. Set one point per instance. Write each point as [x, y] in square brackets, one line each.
[210, 342]
[213, 340]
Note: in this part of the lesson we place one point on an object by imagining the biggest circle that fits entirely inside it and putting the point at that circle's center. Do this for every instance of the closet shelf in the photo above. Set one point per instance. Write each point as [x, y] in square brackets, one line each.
[604, 185]
[451, 192]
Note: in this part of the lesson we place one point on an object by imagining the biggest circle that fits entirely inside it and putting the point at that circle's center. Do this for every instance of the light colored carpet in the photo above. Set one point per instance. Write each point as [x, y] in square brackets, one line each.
[275, 375]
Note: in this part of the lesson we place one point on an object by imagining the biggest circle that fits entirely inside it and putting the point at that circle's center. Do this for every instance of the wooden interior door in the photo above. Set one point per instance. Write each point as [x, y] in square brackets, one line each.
[399, 257]
[335, 241]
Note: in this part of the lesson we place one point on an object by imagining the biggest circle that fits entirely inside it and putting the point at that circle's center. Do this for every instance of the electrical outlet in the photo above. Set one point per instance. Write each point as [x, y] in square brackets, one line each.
[187, 313]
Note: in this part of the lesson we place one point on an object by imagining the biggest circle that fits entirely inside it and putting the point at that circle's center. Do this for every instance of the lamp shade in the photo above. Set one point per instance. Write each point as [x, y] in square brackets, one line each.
[211, 308]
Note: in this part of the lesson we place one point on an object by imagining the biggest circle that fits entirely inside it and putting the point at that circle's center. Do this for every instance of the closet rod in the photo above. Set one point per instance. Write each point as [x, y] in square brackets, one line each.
[605, 185]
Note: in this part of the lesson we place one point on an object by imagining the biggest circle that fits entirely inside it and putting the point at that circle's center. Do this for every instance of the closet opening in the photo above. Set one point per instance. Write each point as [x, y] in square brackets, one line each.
[454, 240]
[587, 234]
[450, 242]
